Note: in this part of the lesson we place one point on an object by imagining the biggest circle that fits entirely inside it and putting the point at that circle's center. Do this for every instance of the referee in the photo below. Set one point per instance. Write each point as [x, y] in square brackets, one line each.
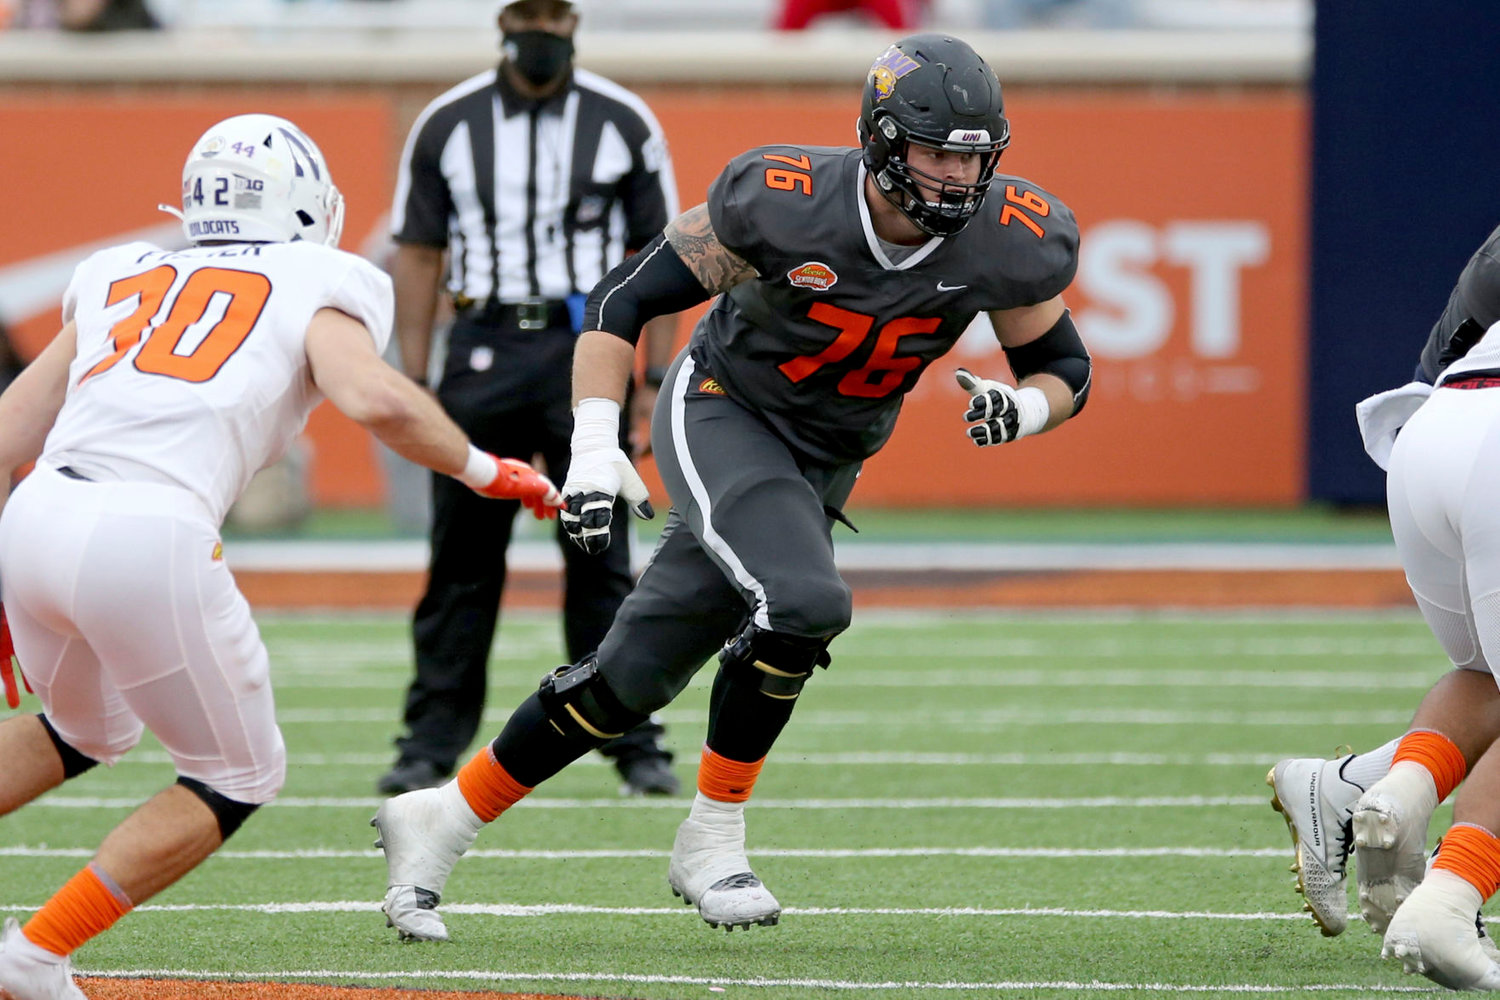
[531, 181]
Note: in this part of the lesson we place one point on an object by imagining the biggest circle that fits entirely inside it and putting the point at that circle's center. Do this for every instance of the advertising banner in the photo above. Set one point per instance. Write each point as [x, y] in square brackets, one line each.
[1190, 289]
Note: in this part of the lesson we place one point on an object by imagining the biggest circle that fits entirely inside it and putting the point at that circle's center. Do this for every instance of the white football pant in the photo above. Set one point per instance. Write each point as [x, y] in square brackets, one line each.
[124, 614]
[1443, 492]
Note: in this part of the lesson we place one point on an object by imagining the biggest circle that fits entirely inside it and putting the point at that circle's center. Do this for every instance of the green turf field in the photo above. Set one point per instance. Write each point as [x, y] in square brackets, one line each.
[1309, 523]
[971, 805]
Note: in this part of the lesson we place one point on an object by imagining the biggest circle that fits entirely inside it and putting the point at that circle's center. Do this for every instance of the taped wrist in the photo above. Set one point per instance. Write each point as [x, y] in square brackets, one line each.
[1032, 410]
[1059, 352]
[596, 425]
[643, 286]
[479, 471]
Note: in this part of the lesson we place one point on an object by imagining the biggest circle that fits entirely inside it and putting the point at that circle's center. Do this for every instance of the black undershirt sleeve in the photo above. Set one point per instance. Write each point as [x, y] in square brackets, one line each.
[652, 283]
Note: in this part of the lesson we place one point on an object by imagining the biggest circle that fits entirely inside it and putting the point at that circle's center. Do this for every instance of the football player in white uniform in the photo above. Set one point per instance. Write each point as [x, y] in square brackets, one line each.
[1441, 491]
[176, 375]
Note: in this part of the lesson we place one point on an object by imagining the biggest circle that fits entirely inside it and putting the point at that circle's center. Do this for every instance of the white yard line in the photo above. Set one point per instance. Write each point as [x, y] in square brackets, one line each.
[581, 909]
[1099, 802]
[842, 759]
[1006, 717]
[1024, 853]
[712, 982]
[287, 677]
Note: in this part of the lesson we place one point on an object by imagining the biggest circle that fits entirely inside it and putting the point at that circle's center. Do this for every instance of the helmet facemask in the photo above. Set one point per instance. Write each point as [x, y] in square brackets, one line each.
[936, 205]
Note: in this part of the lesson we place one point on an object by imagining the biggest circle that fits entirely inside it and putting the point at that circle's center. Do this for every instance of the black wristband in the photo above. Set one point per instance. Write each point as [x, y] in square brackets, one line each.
[655, 376]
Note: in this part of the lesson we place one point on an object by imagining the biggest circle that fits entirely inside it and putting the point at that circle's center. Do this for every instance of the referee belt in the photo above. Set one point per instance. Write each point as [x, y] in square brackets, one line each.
[528, 314]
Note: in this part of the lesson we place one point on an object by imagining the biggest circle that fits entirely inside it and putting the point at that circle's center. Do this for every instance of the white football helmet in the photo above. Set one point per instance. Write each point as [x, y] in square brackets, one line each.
[259, 178]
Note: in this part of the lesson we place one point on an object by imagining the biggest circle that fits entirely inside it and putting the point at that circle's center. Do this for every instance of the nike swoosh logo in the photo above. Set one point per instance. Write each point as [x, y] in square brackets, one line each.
[949, 288]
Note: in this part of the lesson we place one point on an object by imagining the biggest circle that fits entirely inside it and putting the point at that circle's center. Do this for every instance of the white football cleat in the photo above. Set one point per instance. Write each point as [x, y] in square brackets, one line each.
[1390, 841]
[709, 868]
[1316, 801]
[423, 834]
[1480, 929]
[29, 972]
[1433, 933]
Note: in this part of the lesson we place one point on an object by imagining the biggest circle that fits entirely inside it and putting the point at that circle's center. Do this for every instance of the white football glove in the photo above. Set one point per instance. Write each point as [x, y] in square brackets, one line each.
[998, 412]
[598, 472]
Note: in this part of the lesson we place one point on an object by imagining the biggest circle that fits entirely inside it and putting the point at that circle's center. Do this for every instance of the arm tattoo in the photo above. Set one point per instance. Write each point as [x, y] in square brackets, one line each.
[715, 265]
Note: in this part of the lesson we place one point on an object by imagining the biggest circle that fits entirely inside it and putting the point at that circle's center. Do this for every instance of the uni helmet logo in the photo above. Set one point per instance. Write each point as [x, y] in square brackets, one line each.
[891, 66]
[814, 274]
[969, 136]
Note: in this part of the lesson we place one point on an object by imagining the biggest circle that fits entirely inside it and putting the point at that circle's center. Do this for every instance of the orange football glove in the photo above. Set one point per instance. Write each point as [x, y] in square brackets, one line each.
[9, 666]
[511, 479]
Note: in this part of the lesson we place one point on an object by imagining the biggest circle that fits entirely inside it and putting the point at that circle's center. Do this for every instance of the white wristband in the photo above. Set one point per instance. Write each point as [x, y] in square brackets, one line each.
[596, 425]
[479, 471]
[1032, 410]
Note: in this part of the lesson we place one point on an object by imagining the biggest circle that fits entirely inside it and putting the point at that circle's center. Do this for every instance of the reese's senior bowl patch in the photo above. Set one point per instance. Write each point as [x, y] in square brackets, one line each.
[814, 274]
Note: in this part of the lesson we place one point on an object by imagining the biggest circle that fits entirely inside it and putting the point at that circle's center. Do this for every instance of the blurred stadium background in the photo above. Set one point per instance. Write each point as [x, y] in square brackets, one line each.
[1274, 201]
[1275, 198]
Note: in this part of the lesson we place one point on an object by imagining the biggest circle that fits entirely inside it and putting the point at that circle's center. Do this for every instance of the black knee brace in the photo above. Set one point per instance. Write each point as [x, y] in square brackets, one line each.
[230, 814]
[74, 763]
[579, 703]
[780, 664]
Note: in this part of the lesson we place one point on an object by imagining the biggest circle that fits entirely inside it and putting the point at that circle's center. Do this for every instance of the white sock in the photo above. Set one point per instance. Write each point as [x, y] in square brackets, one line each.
[23, 947]
[459, 806]
[713, 811]
[1364, 769]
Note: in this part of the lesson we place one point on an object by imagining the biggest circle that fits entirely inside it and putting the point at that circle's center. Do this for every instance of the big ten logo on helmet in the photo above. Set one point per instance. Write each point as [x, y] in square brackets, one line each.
[248, 192]
[1137, 283]
[891, 66]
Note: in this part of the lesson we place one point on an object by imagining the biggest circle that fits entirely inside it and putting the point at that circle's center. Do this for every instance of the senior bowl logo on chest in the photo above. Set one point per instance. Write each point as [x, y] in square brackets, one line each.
[814, 275]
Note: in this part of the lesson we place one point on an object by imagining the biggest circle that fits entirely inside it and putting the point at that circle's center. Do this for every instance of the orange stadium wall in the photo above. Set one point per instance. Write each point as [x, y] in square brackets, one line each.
[1190, 290]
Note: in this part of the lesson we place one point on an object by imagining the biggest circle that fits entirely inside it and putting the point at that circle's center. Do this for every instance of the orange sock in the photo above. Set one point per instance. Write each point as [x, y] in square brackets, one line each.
[487, 787]
[1473, 854]
[1438, 754]
[86, 906]
[725, 780]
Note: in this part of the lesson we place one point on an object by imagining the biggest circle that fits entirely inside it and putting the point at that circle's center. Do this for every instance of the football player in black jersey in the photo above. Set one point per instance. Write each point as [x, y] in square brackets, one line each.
[842, 273]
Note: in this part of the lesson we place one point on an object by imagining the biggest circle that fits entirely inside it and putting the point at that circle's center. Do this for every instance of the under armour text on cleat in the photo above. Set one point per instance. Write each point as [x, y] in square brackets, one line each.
[709, 869]
[29, 972]
[1390, 840]
[423, 834]
[1432, 933]
[1316, 801]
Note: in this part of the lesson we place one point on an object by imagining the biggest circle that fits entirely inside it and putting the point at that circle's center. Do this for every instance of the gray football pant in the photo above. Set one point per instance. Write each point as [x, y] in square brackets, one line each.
[747, 540]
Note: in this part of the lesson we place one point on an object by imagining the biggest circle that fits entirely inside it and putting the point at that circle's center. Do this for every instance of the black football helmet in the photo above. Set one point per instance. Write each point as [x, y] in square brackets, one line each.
[936, 91]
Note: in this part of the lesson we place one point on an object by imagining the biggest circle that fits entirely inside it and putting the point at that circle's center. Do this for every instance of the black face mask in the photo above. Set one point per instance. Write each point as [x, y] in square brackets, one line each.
[539, 56]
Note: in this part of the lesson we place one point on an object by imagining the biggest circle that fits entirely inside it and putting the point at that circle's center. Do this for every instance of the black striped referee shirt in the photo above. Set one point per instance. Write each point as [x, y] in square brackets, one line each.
[533, 199]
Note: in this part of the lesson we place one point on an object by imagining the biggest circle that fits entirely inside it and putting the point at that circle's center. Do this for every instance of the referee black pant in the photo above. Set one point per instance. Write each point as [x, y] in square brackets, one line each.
[509, 389]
